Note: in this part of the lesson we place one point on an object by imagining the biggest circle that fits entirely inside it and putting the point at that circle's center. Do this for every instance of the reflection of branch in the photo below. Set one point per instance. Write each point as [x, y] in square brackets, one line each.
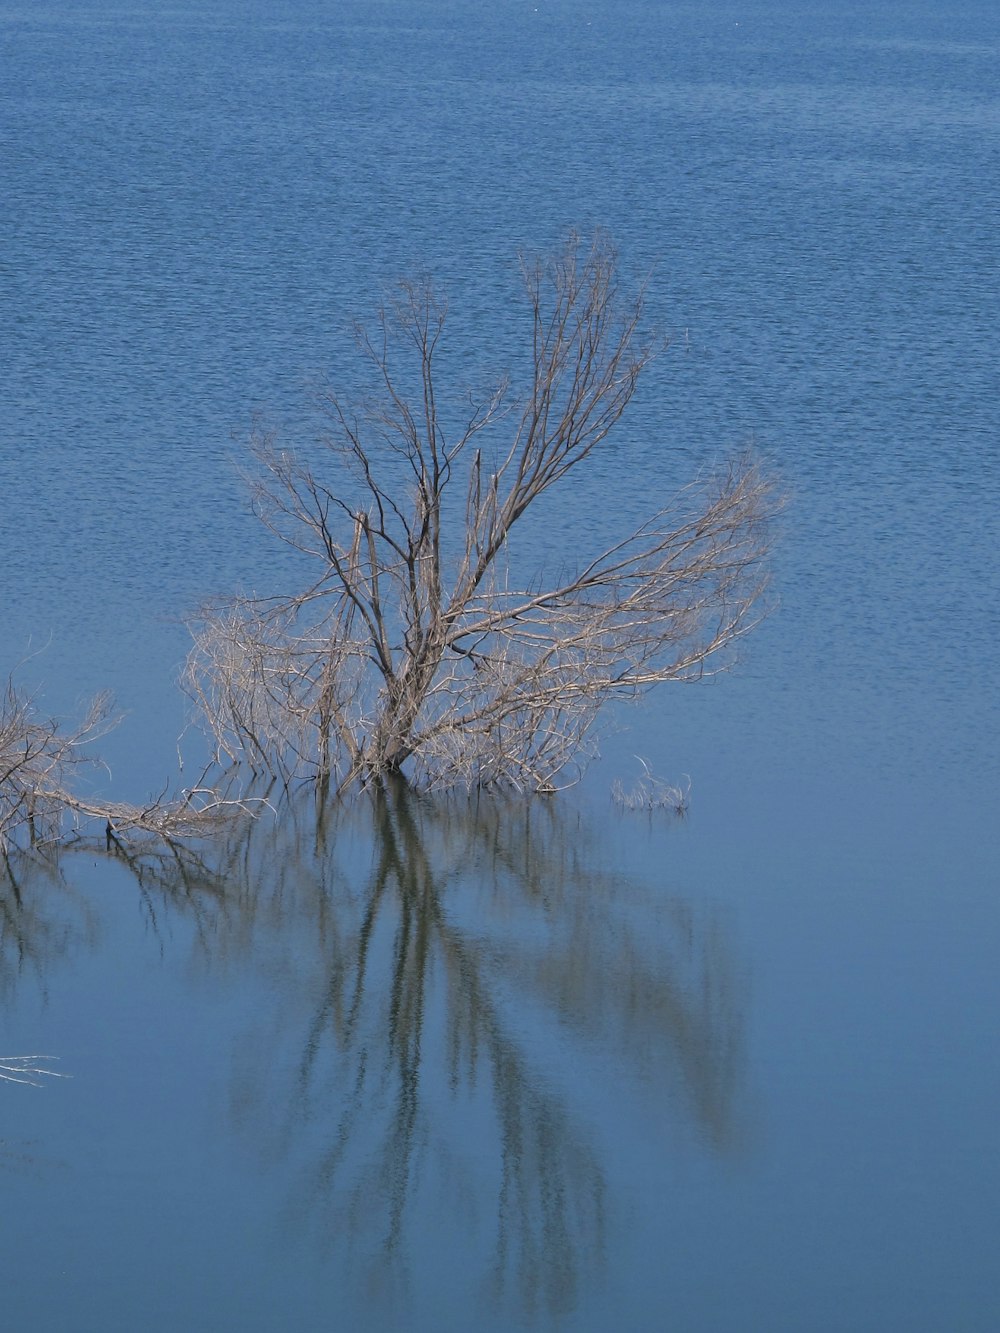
[388, 968]
[174, 876]
[443, 978]
[44, 918]
[471, 925]
[41, 916]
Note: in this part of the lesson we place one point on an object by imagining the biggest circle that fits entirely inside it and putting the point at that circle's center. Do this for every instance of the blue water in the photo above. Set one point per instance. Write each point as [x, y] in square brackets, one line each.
[735, 1072]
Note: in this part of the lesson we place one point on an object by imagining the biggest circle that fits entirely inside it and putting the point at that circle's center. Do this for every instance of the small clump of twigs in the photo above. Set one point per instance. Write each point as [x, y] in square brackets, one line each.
[27, 1069]
[652, 793]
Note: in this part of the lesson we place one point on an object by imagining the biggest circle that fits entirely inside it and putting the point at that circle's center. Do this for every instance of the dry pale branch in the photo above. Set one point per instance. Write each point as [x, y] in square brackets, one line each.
[27, 1069]
[41, 765]
[416, 645]
[39, 761]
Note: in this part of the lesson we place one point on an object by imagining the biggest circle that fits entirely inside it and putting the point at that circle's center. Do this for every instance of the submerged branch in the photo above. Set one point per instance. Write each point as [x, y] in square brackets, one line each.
[43, 762]
[28, 1069]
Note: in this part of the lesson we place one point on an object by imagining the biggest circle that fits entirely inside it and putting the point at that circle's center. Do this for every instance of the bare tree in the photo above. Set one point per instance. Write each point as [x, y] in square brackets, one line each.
[417, 643]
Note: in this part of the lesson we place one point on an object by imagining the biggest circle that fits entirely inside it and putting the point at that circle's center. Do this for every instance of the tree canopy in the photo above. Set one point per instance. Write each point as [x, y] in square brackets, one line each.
[415, 648]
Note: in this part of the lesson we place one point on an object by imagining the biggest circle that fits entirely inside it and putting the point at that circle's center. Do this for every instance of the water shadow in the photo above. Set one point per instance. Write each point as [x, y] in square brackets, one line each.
[470, 1015]
[459, 1028]
[44, 919]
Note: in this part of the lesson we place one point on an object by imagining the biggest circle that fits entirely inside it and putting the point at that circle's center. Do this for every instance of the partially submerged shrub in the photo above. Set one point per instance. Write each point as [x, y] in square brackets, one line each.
[651, 793]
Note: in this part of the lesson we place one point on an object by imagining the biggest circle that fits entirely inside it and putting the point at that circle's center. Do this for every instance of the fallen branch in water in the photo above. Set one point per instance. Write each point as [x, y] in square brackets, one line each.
[41, 763]
[39, 759]
[26, 1069]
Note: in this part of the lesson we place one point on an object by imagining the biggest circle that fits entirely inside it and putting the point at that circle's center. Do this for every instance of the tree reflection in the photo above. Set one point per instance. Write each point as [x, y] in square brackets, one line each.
[459, 1020]
[466, 1006]
[43, 918]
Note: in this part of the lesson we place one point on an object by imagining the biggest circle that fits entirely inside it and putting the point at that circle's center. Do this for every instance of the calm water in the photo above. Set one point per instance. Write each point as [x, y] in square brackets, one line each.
[451, 1067]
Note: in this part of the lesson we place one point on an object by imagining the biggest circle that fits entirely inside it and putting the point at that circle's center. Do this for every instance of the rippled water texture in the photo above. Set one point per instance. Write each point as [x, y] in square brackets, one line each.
[441, 1066]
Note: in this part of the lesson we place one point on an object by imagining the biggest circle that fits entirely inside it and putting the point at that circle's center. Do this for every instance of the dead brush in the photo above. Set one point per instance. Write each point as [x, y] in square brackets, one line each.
[652, 793]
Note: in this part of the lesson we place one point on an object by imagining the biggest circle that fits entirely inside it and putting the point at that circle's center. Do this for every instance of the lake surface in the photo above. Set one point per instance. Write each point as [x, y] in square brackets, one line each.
[457, 1065]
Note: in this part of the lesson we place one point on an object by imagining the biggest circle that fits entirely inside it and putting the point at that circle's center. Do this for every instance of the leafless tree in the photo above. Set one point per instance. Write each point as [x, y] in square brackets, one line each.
[419, 642]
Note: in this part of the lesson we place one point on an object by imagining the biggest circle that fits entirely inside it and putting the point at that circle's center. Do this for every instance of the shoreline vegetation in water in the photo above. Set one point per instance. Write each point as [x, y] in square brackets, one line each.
[420, 649]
